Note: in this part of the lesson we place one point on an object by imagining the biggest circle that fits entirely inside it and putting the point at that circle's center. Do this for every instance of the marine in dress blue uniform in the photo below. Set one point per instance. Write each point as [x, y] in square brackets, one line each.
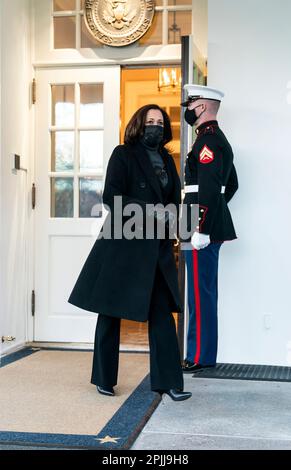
[210, 183]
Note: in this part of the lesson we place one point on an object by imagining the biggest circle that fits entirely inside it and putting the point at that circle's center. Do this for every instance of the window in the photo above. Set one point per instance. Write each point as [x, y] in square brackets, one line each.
[173, 19]
[77, 167]
[70, 31]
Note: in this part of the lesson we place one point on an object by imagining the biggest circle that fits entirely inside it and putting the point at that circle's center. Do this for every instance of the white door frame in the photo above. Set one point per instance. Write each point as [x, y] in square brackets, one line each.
[32, 260]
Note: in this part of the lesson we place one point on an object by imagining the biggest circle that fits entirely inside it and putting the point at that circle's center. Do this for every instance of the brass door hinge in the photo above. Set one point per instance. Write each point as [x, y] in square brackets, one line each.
[32, 303]
[33, 91]
[7, 339]
[33, 192]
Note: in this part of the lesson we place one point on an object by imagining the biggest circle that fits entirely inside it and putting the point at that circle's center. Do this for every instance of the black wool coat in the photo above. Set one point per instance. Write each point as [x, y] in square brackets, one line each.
[118, 275]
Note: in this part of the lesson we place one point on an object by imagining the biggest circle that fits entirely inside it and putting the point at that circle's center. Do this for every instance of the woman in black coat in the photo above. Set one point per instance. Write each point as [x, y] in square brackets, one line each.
[129, 274]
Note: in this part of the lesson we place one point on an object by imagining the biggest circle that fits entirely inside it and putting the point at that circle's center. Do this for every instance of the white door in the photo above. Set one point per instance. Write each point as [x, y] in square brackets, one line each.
[77, 127]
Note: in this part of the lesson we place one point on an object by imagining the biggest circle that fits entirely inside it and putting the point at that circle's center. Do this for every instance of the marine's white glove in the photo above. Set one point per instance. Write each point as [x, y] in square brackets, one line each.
[199, 240]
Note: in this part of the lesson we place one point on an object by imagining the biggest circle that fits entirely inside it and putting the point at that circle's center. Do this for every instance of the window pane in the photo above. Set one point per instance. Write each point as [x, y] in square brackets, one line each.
[154, 34]
[62, 5]
[179, 2]
[62, 151]
[179, 25]
[198, 75]
[87, 39]
[62, 197]
[63, 108]
[91, 107]
[65, 32]
[90, 197]
[91, 150]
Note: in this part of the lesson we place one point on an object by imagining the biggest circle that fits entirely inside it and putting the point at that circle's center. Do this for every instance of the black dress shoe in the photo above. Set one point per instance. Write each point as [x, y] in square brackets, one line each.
[189, 367]
[177, 395]
[106, 391]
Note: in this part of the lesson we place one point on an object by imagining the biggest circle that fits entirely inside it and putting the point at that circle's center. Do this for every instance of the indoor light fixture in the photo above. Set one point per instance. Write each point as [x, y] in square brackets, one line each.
[169, 79]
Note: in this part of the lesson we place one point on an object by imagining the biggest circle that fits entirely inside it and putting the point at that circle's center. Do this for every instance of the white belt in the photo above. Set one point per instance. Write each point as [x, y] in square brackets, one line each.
[194, 188]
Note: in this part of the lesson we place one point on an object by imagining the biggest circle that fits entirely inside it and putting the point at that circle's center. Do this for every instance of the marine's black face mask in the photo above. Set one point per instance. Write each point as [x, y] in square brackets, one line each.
[153, 135]
[191, 116]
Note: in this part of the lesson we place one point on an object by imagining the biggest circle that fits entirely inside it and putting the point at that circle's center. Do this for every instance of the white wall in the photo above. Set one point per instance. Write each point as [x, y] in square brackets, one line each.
[16, 75]
[200, 25]
[249, 58]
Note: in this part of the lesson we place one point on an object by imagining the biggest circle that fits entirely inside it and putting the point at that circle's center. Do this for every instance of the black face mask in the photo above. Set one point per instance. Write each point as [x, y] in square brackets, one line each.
[153, 136]
[191, 116]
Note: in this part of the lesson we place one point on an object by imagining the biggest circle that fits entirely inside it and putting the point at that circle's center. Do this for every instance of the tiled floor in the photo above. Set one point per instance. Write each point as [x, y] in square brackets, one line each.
[222, 414]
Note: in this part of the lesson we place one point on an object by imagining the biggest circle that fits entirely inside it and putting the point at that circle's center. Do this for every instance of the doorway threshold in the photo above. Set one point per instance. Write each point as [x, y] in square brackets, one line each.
[84, 346]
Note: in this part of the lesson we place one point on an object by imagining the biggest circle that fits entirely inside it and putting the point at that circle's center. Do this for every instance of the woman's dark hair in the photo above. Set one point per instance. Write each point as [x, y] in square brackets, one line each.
[135, 128]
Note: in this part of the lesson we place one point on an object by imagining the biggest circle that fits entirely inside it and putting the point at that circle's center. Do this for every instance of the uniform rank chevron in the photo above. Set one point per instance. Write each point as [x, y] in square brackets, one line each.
[206, 155]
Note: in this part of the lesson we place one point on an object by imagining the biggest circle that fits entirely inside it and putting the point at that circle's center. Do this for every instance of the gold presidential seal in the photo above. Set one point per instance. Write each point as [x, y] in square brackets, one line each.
[118, 22]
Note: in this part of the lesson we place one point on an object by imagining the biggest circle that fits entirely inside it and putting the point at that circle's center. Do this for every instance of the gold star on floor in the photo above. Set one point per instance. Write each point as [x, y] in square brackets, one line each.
[105, 439]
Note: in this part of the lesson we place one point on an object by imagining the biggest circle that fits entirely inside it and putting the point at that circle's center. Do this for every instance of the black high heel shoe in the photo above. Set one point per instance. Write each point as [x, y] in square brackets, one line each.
[176, 395]
[106, 391]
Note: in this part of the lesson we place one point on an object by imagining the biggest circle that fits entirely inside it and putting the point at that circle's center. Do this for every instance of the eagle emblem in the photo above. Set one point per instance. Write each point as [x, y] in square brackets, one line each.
[118, 22]
[118, 14]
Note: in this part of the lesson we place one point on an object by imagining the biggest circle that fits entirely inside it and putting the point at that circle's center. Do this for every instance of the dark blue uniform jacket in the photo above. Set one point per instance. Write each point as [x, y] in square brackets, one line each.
[210, 166]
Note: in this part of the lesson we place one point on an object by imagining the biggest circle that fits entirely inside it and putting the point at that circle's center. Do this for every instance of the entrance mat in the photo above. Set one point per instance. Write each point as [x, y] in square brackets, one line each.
[246, 372]
[46, 400]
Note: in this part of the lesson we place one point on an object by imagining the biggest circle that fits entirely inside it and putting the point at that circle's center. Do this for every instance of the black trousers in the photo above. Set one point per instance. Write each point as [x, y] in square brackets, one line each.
[165, 363]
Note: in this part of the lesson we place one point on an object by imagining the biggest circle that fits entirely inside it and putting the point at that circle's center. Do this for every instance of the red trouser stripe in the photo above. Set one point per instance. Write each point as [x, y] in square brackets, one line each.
[197, 306]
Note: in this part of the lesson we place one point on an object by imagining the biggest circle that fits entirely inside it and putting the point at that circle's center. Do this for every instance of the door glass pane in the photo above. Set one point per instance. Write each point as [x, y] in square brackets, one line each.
[87, 39]
[179, 25]
[90, 197]
[91, 106]
[63, 108]
[91, 150]
[154, 34]
[62, 158]
[62, 197]
[62, 5]
[65, 32]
